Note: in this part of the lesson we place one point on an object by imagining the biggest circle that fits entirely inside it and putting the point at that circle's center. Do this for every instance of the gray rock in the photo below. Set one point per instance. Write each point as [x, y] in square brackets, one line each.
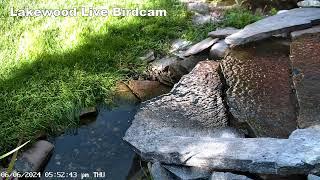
[149, 57]
[159, 173]
[260, 96]
[227, 176]
[188, 173]
[313, 30]
[297, 155]
[201, 46]
[292, 20]
[219, 50]
[170, 70]
[200, 19]
[198, 7]
[35, 158]
[166, 70]
[180, 45]
[305, 58]
[193, 108]
[313, 177]
[282, 11]
[309, 3]
[223, 33]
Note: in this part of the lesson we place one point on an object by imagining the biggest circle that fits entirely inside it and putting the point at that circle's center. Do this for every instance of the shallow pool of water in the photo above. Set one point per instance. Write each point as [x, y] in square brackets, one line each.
[97, 146]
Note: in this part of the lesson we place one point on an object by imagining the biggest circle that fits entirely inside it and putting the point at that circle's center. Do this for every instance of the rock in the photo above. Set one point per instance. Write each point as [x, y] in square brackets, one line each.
[149, 57]
[88, 111]
[305, 57]
[124, 95]
[309, 3]
[223, 33]
[145, 90]
[170, 70]
[282, 11]
[159, 173]
[313, 177]
[297, 155]
[199, 7]
[188, 173]
[292, 20]
[283, 177]
[227, 176]
[193, 108]
[35, 158]
[180, 45]
[313, 30]
[260, 95]
[200, 19]
[219, 50]
[166, 70]
[201, 46]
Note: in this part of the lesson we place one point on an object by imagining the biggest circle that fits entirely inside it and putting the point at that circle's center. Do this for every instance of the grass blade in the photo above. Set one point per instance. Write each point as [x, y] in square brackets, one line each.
[13, 151]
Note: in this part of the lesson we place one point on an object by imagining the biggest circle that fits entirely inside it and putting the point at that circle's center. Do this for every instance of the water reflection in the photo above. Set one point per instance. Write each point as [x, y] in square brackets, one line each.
[97, 146]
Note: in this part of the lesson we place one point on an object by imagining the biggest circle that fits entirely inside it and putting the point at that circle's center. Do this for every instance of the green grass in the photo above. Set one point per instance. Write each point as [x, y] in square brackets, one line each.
[240, 17]
[51, 67]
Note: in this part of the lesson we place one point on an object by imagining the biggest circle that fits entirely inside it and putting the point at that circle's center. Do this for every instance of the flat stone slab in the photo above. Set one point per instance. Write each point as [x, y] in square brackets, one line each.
[260, 95]
[227, 176]
[299, 154]
[305, 57]
[313, 30]
[201, 46]
[223, 33]
[292, 20]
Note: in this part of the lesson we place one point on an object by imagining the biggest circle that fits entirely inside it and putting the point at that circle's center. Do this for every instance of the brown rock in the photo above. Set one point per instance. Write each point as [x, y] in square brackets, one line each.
[124, 94]
[147, 89]
[260, 94]
[305, 57]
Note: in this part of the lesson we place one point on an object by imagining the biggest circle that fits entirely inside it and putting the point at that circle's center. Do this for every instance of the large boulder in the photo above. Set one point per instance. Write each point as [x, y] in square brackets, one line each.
[292, 20]
[305, 57]
[193, 108]
[260, 94]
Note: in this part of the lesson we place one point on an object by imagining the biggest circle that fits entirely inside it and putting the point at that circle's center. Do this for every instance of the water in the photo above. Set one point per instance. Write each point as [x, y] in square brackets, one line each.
[97, 146]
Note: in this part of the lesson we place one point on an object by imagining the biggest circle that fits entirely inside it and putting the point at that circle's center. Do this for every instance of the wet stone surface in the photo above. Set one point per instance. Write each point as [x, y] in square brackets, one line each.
[260, 94]
[305, 57]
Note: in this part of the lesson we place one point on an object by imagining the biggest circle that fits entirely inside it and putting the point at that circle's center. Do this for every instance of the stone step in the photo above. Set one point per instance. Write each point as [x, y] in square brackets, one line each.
[299, 154]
